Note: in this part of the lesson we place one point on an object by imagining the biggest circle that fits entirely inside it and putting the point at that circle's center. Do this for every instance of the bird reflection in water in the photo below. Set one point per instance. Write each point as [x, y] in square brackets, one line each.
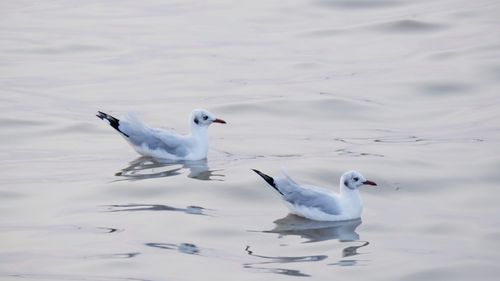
[313, 231]
[148, 168]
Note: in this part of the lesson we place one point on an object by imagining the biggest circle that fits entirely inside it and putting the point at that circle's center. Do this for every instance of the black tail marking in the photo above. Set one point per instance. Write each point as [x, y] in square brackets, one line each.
[113, 122]
[268, 179]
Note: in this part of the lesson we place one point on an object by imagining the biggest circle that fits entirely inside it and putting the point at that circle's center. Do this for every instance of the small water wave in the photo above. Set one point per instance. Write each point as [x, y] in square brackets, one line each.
[348, 262]
[353, 250]
[408, 26]
[60, 228]
[403, 26]
[283, 271]
[280, 260]
[115, 256]
[59, 50]
[401, 139]
[345, 151]
[66, 277]
[284, 259]
[19, 122]
[192, 210]
[229, 157]
[444, 88]
[359, 4]
[424, 141]
[186, 248]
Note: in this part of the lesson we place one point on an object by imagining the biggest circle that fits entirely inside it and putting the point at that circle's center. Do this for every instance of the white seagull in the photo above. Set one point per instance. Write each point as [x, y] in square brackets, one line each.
[317, 203]
[164, 144]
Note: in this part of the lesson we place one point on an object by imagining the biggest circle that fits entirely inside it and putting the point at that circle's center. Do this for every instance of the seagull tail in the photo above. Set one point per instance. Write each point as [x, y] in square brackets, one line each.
[268, 179]
[113, 122]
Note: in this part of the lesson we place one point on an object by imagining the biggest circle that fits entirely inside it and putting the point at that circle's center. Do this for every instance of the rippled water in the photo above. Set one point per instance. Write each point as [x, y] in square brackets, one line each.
[405, 91]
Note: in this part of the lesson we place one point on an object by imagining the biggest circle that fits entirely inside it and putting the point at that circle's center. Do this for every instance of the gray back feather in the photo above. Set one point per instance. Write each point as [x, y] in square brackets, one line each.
[154, 139]
[295, 194]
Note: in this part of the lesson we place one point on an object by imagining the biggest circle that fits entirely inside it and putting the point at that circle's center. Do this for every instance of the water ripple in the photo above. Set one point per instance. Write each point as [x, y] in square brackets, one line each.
[186, 248]
[115, 256]
[359, 4]
[62, 50]
[407, 25]
[283, 271]
[62, 228]
[445, 88]
[192, 210]
[281, 259]
[69, 277]
[284, 259]
[400, 139]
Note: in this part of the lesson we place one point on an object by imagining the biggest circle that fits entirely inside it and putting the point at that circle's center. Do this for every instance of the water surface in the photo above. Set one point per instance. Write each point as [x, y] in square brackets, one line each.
[407, 92]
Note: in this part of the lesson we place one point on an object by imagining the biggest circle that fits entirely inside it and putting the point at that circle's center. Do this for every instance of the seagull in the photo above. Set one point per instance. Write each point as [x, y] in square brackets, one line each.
[317, 203]
[162, 143]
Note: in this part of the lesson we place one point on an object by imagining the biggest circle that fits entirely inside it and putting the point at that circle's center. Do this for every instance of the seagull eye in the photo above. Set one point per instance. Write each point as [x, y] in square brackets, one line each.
[205, 117]
[355, 179]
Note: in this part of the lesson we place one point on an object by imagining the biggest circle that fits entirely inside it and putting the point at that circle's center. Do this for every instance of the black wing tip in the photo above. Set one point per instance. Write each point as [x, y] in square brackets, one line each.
[113, 122]
[260, 173]
[268, 179]
[101, 115]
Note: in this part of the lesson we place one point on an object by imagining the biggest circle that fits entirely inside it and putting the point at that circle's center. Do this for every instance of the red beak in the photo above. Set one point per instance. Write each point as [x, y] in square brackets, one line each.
[369, 183]
[217, 120]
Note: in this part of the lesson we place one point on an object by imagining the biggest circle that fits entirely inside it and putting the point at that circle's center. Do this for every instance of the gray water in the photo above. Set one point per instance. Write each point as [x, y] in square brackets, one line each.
[407, 92]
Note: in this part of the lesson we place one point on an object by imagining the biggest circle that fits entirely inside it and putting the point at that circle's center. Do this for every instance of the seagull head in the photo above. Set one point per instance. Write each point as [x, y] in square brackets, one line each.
[353, 180]
[203, 118]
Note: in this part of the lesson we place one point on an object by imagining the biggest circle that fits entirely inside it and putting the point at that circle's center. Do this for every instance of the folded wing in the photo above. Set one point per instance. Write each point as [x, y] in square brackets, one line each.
[153, 139]
[308, 196]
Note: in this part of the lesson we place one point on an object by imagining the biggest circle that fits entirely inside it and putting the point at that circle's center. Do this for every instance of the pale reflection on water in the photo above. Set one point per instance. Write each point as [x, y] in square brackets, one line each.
[311, 231]
[315, 231]
[149, 168]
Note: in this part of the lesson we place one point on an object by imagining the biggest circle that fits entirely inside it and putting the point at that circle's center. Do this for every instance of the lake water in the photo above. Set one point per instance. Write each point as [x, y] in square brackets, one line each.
[407, 92]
